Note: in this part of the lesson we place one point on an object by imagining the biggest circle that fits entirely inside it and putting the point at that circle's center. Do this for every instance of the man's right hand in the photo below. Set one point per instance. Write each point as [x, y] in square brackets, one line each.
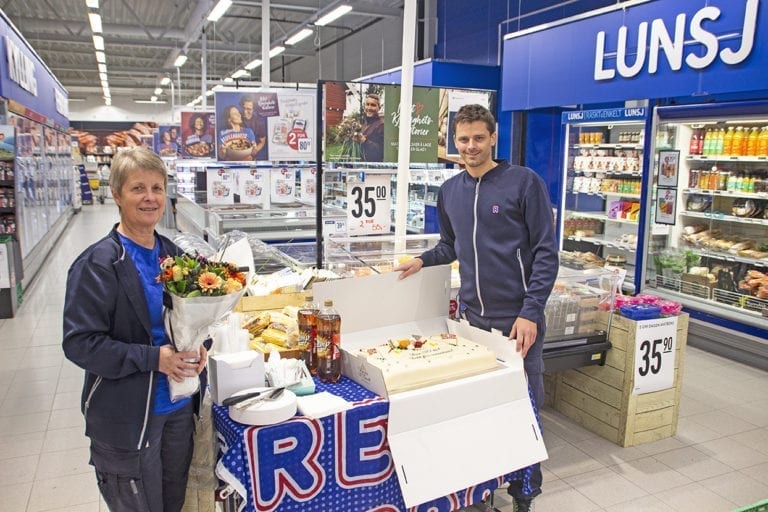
[409, 267]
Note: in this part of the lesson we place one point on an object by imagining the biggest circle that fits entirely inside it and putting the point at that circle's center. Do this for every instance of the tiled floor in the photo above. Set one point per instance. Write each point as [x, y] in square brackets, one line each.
[717, 462]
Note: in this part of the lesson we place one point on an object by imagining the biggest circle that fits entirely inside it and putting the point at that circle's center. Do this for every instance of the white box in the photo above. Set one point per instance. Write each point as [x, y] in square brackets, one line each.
[449, 436]
[230, 373]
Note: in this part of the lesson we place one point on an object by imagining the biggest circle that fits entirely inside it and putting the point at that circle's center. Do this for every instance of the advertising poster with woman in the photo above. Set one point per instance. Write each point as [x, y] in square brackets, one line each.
[198, 134]
[241, 124]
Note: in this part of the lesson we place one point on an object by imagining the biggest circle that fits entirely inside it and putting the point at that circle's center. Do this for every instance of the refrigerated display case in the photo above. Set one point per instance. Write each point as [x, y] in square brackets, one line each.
[709, 202]
[602, 176]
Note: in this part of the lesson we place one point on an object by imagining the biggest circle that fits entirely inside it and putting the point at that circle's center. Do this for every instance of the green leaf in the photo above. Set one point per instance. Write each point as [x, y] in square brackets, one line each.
[194, 293]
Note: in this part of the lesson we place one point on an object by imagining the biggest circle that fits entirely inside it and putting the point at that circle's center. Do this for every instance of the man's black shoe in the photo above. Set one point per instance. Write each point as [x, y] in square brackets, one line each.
[523, 505]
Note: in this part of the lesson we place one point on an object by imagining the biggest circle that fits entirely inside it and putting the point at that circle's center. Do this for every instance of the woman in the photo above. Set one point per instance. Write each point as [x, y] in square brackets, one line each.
[167, 145]
[199, 142]
[141, 442]
[236, 142]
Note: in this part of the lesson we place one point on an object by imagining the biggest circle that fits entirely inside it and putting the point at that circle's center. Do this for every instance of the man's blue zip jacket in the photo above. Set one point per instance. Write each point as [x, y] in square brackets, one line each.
[500, 228]
[108, 332]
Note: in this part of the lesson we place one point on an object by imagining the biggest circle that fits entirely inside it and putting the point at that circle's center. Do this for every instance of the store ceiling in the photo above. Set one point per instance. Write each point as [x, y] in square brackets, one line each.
[142, 39]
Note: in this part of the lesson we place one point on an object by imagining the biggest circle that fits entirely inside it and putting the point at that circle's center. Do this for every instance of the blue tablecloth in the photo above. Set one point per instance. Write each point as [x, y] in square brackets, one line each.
[340, 462]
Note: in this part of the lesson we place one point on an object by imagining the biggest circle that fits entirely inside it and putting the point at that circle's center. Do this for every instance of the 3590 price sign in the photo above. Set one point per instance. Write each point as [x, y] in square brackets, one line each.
[655, 355]
[368, 205]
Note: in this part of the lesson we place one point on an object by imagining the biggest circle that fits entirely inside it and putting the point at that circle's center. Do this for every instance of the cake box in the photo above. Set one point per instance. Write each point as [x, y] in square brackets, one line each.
[468, 423]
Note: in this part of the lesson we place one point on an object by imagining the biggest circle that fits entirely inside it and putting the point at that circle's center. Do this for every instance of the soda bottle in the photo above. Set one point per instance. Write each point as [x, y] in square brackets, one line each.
[728, 142]
[328, 343]
[762, 142]
[754, 133]
[307, 320]
[719, 142]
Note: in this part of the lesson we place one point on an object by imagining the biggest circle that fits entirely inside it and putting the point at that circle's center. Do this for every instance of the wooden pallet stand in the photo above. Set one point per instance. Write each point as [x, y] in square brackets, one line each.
[275, 301]
[601, 398]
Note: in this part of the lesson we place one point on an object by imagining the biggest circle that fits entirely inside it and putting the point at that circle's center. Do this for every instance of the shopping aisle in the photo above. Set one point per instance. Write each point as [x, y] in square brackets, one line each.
[717, 462]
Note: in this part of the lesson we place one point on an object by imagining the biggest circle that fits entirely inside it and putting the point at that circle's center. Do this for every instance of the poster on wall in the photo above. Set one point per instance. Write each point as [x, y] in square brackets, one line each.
[665, 206]
[455, 100]
[220, 186]
[241, 124]
[292, 131]
[198, 132]
[251, 185]
[166, 143]
[106, 137]
[362, 121]
[424, 124]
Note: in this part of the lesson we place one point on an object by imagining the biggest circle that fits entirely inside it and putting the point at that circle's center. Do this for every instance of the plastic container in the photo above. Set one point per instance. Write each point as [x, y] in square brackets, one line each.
[640, 311]
[670, 307]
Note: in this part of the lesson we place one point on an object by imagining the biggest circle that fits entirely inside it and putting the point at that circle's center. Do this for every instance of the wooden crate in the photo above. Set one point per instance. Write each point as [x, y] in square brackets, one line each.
[601, 398]
[269, 302]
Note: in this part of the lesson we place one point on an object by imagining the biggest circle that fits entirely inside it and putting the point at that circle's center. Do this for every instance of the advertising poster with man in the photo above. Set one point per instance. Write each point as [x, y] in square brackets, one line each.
[354, 117]
[241, 124]
[198, 134]
[166, 143]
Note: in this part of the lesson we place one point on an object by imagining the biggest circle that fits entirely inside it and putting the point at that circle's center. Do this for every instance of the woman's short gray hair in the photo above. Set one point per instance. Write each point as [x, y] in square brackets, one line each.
[127, 161]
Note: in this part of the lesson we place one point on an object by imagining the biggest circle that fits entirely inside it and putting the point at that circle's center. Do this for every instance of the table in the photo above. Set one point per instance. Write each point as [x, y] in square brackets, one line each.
[338, 462]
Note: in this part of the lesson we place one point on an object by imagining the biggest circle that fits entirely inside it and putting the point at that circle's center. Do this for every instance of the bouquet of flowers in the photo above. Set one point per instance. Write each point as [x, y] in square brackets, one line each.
[349, 133]
[200, 293]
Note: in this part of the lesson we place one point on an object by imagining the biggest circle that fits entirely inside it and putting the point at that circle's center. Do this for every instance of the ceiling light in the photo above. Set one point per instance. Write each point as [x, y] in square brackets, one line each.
[149, 101]
[102, 68]
[158, 91]
[107, 94]
[191, 103]
[95, 19]
[180, 60]
[253, 64]
[299, 36]
[333, 15]
[104, 84]
[92, 4]
[75, 99]
[219, 10]
[229, 80]
[153, 99]
[209, 93]
[101, 57]
[165, 81]
[98, 42]
[108, 101]
[277, 50]
[240, 73]
[103, 76]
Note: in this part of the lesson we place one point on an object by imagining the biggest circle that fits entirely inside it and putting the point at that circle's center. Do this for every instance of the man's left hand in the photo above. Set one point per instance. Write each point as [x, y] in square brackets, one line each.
[524, 331]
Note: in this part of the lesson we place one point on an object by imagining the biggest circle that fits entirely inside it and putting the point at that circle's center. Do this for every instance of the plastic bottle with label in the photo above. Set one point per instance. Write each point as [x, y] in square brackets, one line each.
[307, 320]
[328, 343]
[728, 141]
[752, 141]
[762, 142]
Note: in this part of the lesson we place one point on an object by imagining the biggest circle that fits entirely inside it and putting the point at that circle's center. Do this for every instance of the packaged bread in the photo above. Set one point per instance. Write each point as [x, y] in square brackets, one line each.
[256, 323]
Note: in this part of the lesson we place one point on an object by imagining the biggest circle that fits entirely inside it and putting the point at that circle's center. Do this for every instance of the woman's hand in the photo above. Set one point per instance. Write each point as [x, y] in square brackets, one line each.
[173, 363]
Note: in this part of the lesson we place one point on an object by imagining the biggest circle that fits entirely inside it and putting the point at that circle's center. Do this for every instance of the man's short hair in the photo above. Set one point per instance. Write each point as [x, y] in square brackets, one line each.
[472, 113]
[374, 96]
[245, 99]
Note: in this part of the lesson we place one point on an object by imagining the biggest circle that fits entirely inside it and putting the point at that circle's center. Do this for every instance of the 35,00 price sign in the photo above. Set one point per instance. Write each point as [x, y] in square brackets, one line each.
[368, 205]
[655, 355]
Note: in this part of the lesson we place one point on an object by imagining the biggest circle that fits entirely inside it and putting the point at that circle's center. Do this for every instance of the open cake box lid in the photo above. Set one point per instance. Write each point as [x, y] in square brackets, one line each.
[445, 437]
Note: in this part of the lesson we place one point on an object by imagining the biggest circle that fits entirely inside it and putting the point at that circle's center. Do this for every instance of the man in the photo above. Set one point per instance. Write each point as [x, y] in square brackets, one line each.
[372, 137]
[495, 218]
[257, 123]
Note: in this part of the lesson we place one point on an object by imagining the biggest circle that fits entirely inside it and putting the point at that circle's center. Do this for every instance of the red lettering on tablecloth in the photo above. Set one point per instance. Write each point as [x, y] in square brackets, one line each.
[284, 461]
[444, 504]
[362, 454]
[478, 493]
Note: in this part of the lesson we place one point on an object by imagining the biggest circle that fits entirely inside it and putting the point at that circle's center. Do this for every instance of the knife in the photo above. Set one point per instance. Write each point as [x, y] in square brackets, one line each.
[239, 398]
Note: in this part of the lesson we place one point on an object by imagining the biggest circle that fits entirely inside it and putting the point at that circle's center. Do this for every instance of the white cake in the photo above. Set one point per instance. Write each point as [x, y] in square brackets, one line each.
[416, 362]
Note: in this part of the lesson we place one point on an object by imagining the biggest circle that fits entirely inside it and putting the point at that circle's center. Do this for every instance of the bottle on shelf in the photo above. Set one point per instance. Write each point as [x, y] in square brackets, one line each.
[708, 138]
[728, 141]
[719, 141]
[752, 141]
[307, 320]
[762, 142]
[738, 141]
[328, 343]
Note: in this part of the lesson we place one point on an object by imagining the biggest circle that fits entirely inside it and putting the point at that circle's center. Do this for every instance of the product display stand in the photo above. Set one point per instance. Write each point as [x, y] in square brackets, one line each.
[602, 398]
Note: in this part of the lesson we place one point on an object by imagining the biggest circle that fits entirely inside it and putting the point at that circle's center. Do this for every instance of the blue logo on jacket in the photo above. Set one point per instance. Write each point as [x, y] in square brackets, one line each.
[495, 209]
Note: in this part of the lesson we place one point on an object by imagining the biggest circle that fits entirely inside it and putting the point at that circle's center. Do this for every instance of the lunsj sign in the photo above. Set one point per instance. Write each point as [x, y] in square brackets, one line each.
[673, 45]
[636, 50]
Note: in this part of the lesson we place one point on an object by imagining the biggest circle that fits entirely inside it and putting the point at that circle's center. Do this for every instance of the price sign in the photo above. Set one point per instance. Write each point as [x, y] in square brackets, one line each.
[298, 141]
[368, 205]
[655, 355]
